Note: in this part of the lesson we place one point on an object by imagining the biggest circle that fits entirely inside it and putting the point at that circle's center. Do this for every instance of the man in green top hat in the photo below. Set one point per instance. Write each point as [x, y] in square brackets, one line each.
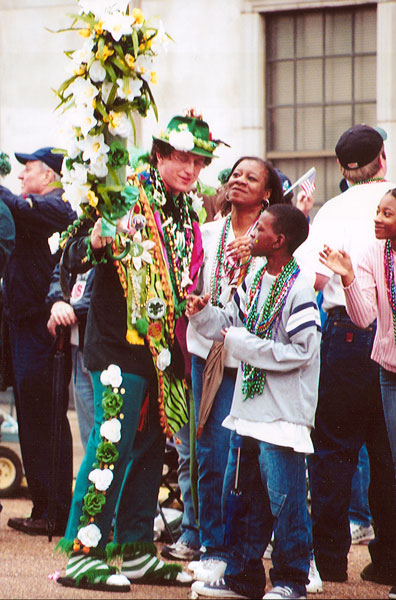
[134, 336]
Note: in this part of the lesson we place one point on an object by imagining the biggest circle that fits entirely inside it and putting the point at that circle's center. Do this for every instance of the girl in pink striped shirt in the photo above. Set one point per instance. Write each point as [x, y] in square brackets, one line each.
[371, 294]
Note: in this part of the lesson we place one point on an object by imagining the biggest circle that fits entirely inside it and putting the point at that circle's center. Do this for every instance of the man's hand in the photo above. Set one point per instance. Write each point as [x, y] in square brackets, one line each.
[61, 314]
[195, 304]
[339, 262]
[97, 240]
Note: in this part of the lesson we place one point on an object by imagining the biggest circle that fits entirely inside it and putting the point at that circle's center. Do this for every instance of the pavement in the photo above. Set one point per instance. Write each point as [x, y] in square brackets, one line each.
[28, 562]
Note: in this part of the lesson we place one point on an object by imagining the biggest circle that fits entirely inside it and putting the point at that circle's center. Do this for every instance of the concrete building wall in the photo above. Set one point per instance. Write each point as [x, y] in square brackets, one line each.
[216, 64]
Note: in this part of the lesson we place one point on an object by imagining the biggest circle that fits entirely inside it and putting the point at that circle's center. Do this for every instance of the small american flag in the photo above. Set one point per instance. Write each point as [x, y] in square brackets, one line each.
[308, 185]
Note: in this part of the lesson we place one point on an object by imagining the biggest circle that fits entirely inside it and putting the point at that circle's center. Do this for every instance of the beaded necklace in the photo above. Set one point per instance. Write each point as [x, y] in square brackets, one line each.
[390, 281]
[265, 322]
[371, 180]
[177, 216]
[222, 267]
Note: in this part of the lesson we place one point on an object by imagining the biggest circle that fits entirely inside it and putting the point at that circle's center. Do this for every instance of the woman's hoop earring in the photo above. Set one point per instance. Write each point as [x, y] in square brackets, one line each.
[265, 204]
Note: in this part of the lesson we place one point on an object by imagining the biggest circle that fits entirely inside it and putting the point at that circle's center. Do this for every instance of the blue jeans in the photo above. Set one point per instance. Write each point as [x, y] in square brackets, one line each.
[359, 510]
[349, 414]
[272, 482]
[189, 528]
[212, 453]
[388, 392]
[83, 395]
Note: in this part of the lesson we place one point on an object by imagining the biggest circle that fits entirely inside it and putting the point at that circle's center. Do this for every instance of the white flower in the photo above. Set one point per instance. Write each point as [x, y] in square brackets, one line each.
[81, 56]
[83, 91]
[76, 194]
[128, 88]
[89, 536]
[196, 202]
[164, 359]
[142, 251]
[106, 89]
[83, 118]
[185, 281]
[181, 140]
[117, 24]
[143, 66]
[96, 71]
[98, 165]
[102, 7]
[120, 124]
[111, 430]
[93, 146]
[76, 175]
[101, 478]
[111, 376]
[161, 40]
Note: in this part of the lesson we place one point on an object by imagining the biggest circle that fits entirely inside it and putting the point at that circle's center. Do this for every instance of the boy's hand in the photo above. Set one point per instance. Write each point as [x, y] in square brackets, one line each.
[339, 262]
[196, 303]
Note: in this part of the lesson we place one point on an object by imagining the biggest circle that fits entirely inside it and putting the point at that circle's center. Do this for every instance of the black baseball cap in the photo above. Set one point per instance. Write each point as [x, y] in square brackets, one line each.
[359, 145]
[52, 159]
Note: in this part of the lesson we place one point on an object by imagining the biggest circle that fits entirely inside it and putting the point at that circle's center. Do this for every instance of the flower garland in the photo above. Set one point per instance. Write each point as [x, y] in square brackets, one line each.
[101, 476]
[265, 323]
[390, 281]
[109, 80]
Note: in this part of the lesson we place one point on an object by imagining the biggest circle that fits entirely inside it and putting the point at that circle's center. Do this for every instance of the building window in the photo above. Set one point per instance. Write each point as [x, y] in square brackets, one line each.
[320, 79]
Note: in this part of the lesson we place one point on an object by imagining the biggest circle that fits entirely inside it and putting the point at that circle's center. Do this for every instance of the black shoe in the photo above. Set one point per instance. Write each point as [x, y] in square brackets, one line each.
[384, 577]
[34, 526]
[392, 593]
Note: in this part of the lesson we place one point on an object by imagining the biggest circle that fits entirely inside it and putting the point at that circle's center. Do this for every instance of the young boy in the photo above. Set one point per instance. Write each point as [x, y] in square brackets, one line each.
[272, 326]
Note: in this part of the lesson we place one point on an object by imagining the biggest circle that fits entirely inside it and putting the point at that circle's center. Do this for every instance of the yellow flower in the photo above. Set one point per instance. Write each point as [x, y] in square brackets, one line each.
[134, 338]
[81, 70]
[94, 103]
[138, 15]
[130, 61]
[153, 77]
[85, 32]
[92, 198]
[106, 53]
[99, 27]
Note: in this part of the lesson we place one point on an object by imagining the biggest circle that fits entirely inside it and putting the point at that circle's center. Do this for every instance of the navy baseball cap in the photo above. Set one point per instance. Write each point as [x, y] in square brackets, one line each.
[359, 145]
[51, 159]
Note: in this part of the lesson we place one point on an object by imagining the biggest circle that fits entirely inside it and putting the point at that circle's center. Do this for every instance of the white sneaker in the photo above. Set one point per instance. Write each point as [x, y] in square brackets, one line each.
[315, 585]
[215, 589]
[209, 570]
[360, 534]
[278, 592]
[193, 565]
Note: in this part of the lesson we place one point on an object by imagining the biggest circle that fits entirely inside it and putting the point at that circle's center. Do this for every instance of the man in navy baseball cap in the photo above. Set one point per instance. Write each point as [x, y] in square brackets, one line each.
[46, 155]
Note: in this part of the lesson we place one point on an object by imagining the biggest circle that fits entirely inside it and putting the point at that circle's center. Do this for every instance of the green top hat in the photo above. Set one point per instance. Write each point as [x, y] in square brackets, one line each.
[189, 134]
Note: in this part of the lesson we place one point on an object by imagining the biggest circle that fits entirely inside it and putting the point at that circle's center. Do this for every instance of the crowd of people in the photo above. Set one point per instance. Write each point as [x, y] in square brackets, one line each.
[210, 332]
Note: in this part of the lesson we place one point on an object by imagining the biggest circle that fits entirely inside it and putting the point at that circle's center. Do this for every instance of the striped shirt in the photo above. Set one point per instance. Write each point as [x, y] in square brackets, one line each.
[291, 361]
[366, 299]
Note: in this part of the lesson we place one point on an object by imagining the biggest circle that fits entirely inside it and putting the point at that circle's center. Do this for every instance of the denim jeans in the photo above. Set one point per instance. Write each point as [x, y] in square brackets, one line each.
[272, 482]
[388, 392]
[359, 511]
[212, 452]
[349, 414]
[189, 527]
[83, 395]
